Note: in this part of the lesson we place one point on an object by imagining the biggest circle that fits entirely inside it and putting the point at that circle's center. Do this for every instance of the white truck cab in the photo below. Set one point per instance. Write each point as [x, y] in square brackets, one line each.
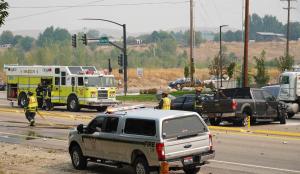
[290, 91]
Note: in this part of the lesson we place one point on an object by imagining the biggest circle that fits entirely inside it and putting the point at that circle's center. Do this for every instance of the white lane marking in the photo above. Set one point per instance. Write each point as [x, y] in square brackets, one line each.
[255, 166]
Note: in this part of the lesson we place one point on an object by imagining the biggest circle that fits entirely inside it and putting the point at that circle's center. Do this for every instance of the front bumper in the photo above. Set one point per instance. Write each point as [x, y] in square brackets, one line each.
[203, 159]
[103, 102]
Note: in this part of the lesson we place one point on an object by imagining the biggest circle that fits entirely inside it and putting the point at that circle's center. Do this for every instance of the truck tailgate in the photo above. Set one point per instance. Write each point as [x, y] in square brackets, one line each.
[187, 146]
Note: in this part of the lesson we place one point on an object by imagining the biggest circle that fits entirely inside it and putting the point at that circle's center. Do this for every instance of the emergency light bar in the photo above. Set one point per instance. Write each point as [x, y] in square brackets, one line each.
[125, 108]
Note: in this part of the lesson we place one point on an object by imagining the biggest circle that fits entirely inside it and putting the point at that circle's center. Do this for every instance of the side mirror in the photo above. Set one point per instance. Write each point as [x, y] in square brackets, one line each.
[80, 128]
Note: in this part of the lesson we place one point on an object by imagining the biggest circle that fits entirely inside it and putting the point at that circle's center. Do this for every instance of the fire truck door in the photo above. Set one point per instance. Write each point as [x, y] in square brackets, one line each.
[55, 93]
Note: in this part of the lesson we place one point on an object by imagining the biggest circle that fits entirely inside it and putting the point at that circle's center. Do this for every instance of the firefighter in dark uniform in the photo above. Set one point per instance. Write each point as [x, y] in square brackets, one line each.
[47, 105]
[31, 108]
[165, 102]
[198, 100]
[39, 95]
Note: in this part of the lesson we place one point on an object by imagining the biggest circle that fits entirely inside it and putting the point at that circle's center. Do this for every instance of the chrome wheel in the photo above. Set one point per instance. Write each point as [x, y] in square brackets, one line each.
[140, 169]
[75, 158]
[73, 104]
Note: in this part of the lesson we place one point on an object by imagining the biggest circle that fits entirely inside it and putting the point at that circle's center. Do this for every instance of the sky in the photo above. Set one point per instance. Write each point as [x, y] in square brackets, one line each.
[140, 16]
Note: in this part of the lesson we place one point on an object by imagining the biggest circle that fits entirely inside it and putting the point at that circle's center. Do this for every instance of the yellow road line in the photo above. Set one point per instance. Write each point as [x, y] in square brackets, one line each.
[266, 132]
[258, 135]
[270, 132]
[225, 128]
[49, 114]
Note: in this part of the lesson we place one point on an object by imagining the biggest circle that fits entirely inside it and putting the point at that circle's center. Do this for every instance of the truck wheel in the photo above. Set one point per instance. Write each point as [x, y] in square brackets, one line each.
[73, 104]
[141, 166]
[242, 121]
[282, 117]
[78, 160]
[22, 100]
[191, 170]
[215, 121]
[290, 114]
[101, 108]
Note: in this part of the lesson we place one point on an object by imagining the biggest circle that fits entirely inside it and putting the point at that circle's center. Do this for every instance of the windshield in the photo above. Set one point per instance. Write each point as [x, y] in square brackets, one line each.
[100, 81]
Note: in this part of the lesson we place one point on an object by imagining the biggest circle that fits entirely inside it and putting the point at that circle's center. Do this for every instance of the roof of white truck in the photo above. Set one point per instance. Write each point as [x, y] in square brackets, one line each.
[156, 114]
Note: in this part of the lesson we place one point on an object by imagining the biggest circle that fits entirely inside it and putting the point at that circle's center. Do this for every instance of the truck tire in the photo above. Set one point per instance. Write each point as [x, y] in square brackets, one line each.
[191, 169]
[78, 160]
[101, 108]
[282, 117]
[22, 100]
[242, 121]
[215, 121]
[141, 166]
[73, 104]
[290, 114]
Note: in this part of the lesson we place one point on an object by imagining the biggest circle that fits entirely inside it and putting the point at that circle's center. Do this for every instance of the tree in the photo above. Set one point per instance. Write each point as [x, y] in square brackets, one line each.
[230, 69]
[7, 37]
[262, 77]
[3, 11]
[51, 35]
[186, 71]
[285, 63]
[26, 43]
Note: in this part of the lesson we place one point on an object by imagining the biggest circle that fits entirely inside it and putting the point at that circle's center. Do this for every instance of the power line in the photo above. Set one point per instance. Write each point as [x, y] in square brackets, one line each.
[51, 11]
[100, 5]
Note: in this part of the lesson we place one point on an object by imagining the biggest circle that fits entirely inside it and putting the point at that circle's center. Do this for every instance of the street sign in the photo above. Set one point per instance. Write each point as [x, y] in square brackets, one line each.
[103, 40]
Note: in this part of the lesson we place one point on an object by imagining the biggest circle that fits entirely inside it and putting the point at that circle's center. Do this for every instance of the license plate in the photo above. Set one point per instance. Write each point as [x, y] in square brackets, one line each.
[188, 160]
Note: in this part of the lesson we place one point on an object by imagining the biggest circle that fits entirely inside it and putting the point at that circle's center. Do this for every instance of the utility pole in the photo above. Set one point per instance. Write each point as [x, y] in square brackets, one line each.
[192, 66]
[246, 45]
[287, 53]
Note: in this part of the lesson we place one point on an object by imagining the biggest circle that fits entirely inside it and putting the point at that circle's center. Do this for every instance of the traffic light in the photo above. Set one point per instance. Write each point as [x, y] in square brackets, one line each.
[84, 39]
[74, 40]
[121, 60]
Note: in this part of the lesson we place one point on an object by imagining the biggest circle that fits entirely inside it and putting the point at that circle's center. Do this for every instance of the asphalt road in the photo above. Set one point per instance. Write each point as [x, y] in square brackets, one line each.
[235, 152]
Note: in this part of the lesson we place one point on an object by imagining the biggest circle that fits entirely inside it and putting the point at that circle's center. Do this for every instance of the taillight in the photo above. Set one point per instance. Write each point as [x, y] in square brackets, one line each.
[234, 105]
[160, 150]
[210, 142]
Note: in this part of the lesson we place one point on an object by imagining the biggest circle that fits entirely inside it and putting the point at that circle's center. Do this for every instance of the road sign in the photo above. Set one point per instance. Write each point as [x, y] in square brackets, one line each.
[103, 40]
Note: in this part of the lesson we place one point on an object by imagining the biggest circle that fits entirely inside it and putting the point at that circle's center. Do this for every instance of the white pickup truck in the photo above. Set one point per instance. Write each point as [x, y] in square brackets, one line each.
[149, 140]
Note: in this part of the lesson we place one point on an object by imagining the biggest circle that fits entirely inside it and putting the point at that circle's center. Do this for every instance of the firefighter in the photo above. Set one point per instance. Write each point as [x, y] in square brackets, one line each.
[31, 108]
[47, 105]
[198, 99]
[165, 102]
[39, 95]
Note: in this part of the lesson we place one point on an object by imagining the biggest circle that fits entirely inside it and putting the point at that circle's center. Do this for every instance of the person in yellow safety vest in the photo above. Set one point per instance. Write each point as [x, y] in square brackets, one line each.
[31, 108]
[165, 102]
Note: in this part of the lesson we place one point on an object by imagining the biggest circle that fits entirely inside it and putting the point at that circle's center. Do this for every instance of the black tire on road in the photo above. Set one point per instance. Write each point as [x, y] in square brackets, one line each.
[191, 169]
[141, 166]
[101, 108]
[215, 121]
[78, 160]
[282, 117]
[22, 100]
[242, 121]
[73, 104]
[290, 114]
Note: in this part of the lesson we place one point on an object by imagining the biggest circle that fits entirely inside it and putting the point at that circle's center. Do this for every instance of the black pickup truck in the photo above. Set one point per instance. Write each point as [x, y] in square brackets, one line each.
[234, 105]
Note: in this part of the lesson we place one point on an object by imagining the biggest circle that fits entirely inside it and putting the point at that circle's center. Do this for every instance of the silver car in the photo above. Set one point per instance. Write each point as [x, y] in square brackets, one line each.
[147, 139]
